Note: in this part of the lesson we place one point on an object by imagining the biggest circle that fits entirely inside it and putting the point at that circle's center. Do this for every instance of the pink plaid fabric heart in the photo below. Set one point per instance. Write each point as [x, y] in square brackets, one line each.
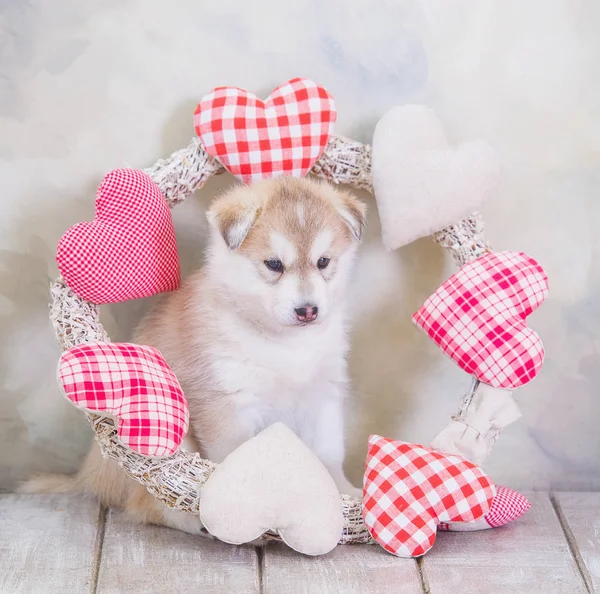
[507, 506]
[254, 139]
[132, 384]
[129, 250]
[477, 317]
[409, 489]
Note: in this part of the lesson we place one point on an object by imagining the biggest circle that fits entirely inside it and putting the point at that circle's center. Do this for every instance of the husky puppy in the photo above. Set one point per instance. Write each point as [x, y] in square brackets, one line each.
[258, 335]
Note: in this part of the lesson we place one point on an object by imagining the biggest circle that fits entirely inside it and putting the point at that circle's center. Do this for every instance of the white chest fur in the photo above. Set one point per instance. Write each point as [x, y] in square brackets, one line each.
[281, 378]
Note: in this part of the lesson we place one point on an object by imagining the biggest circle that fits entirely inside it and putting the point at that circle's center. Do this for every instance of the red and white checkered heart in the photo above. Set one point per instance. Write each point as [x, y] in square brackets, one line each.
[254, 139]
[409, 489]
[478, 318]
[134, 385]
[129, 250]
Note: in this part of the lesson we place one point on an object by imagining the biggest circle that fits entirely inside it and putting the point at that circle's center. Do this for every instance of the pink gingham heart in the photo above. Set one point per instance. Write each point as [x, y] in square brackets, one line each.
[129, 250]
[478, 318]
[254, 139]
[132, 384]
[409, 489]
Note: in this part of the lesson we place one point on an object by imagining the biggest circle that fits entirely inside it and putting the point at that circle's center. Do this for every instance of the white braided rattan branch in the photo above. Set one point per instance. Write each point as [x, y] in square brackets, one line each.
[177, 480]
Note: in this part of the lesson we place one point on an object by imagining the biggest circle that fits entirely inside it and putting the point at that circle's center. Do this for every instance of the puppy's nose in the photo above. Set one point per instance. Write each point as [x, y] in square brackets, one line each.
[307, 314]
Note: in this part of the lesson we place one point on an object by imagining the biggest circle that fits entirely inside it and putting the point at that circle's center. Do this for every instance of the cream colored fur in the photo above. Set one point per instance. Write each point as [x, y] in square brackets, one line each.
[243, 357]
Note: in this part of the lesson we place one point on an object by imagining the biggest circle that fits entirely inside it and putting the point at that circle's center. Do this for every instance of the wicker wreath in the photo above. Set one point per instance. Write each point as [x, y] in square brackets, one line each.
[176, 481]
[483, 330]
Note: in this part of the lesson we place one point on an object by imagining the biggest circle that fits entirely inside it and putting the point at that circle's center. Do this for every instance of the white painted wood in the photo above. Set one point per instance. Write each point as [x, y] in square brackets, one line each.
[582, 514]
[47, 544]
[348, 569]
[50, 544]
[146, 559]
[529, 556]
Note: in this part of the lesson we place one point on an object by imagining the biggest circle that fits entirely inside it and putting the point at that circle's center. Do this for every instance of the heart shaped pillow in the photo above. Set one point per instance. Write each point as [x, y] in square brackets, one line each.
[409, 489]
[283, 135]
[273, 482]
[507, 506]
[129, 250]
[478, 318]
[421, 184]
[134, 385]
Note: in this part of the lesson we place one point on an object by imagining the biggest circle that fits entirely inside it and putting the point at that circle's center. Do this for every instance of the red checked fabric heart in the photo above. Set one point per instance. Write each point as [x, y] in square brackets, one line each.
[132, 384]
[409, 489]
[477, 317]
[129, 250]
[254, 139]
[508, 505]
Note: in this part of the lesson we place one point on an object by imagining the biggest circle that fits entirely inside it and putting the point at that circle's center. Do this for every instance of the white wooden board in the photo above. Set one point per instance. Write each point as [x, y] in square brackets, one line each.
[56, 544]
[146, 559]
[48, 544]
[348, 569]
[529, 556]
[582, 514]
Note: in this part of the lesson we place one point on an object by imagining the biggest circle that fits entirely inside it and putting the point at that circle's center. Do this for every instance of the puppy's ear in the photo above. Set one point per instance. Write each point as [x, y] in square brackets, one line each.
[354, 213]
[233, 215]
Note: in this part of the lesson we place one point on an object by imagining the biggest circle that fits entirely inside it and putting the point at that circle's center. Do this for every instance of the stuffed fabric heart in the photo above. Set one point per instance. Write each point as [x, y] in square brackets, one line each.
[134, 385]
[508, 505]
[409, 489]
[129, 250]
[477, 317]
[254, 139]
[273, 482]
[421, 184]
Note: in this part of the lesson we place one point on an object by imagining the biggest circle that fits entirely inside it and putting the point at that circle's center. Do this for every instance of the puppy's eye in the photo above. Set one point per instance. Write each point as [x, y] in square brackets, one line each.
[274, 265]
[323, 263]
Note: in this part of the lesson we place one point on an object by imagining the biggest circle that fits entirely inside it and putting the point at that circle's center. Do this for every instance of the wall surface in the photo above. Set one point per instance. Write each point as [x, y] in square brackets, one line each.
[89, 86]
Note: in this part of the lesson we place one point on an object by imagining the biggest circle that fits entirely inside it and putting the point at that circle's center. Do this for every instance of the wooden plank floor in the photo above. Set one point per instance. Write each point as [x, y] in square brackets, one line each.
[64, 544]
[531, 555]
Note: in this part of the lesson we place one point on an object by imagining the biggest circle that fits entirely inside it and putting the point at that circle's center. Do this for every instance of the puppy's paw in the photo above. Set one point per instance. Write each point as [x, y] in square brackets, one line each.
[345, 487]
[354, 492]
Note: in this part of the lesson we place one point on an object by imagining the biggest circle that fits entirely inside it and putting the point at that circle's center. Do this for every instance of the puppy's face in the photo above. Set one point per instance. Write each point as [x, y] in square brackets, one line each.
[284, 249]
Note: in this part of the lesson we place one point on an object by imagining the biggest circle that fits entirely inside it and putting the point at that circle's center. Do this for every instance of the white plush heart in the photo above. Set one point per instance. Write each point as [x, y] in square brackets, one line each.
[422, 184]
[273, 482]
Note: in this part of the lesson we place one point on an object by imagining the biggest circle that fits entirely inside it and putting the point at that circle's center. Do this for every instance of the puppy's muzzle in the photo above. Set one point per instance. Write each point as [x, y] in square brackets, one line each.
[307, 314]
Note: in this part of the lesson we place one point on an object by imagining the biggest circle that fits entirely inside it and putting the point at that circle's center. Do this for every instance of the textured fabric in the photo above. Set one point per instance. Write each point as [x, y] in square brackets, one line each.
[475, 428]
[134, 385]
[422, 184]
[254, 139]
[477, 317]
[507, 506]
[129, 250]
[409, 489]
[273, 482]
